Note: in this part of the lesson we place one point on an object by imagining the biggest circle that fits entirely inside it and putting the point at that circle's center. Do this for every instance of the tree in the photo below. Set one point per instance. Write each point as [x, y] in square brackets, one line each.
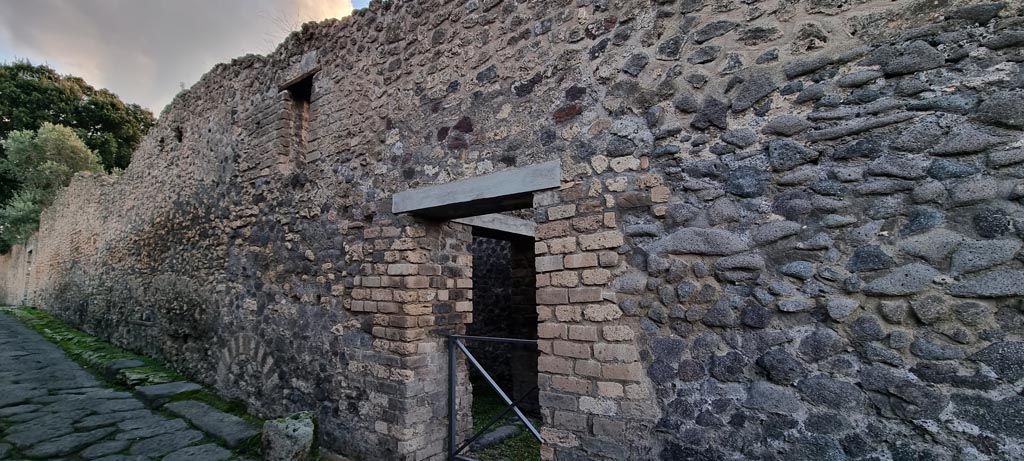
[42, 162]
[32, 95]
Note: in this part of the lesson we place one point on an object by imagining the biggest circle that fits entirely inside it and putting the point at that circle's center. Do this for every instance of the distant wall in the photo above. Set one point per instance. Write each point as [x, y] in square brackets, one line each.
[786, 229]
[15, 266]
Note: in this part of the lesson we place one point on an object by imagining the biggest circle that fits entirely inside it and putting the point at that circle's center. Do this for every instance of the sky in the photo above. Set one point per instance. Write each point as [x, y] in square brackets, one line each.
[145, 51]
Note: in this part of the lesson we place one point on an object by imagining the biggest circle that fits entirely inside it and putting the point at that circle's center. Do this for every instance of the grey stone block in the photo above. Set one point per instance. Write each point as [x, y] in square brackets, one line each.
[993, 284]
[916, 56]
[787, 125]
[68, 444]
[784, 155]
[775, 399]
[699, 241]
[164, 444]
[163, 426]
[105, 449]
[978, 255]
[289, 439]
[158, 394]
[95, 421]
[904, 280]
[1005, 358]
[208, 452]
[495, 437]
[231, 429]
[30, 433]
[1004, 108]
[124, 458]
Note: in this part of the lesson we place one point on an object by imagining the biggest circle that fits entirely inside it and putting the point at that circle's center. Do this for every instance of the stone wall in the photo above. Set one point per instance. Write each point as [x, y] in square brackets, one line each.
[492, 307]
[786, 230]
[14, 281]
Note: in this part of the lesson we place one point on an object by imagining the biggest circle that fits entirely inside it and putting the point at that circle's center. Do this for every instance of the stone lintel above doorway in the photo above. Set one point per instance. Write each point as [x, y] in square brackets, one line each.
[490, 193]
[501, 224]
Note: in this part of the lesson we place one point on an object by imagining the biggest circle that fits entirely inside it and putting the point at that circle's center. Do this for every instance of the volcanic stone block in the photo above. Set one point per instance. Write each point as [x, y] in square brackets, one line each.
[784, 155]
[1005, 358]
[978, 255]
[232, 430]
[915, 57]
[904, 280]
[158, 394]
[289, 439]
[992, 284]
[68, 444]
[208, 452]
[699, 241]
[774, 399]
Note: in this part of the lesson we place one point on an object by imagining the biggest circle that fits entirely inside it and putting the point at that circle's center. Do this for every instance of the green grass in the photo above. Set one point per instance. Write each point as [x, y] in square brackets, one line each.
[487, 405]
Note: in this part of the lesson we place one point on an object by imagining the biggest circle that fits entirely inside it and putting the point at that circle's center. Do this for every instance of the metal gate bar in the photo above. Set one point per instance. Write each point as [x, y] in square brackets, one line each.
[454, 345]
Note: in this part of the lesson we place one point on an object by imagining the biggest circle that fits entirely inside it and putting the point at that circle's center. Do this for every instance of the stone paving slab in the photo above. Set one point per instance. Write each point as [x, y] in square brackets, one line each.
[159, 394]
[52, 409]
[231, 429]
[68, 444]
[208, 452]
[165, 443]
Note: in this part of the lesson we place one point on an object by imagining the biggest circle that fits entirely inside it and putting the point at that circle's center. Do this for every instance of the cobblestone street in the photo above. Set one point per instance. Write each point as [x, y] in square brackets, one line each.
[51, 408]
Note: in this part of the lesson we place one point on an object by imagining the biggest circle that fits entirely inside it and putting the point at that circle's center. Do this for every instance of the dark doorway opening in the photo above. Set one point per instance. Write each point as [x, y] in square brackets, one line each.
[504, 306]
[301, 94]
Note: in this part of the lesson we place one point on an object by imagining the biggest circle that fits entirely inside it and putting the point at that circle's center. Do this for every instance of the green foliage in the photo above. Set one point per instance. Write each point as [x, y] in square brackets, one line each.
[45, 160]
[32, 95]
[42, 162]
[19, 218]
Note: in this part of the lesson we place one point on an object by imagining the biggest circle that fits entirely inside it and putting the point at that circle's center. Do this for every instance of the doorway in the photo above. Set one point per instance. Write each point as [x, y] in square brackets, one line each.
[500, 256]
[504, 294]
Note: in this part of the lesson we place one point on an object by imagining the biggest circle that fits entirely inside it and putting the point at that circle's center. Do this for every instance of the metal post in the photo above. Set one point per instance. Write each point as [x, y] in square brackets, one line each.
[452, 411]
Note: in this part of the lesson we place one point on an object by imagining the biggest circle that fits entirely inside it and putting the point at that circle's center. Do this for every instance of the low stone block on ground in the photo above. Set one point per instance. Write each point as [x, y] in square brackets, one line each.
[290, 438]
[230, 429]
[158, 394]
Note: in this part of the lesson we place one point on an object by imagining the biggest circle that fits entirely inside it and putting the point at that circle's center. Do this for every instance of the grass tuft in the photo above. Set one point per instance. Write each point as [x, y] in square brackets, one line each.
[521, 447]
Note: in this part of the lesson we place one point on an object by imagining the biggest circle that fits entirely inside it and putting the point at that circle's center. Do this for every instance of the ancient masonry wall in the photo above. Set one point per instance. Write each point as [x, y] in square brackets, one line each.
[787, 229]
[14, 280]
[493, 314]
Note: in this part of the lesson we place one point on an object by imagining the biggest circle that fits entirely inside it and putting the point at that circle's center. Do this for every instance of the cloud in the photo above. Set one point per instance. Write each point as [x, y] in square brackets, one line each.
[145, 50]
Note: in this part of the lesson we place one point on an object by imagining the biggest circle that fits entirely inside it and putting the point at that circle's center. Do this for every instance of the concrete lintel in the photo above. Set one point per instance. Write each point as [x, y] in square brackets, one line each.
[490, 193]
[502, 223]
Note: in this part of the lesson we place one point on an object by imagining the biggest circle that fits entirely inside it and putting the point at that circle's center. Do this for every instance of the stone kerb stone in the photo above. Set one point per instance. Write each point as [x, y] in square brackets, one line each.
[230, 429]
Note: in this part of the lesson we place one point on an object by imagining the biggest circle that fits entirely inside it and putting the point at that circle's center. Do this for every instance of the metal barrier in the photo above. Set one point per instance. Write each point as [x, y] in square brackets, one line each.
[454, 345]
